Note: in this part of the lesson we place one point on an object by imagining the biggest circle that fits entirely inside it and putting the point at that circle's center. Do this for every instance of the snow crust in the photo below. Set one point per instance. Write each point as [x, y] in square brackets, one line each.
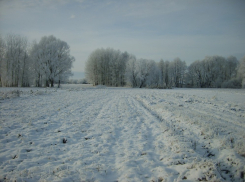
[121, 134]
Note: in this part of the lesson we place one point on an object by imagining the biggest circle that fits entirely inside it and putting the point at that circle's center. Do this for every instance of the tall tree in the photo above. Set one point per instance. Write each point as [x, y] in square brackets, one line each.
[2, 53]
[154, 79]
[144, 69]
[161, 73]
[231, 67]
[107, 67]
[194, 77]
[177, 70]
[131, 72]
[213, 71]
[52, 60]
[14, 72]
[241, 71]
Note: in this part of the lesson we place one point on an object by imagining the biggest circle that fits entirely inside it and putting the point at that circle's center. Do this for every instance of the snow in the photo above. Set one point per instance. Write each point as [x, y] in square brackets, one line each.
[85, 133]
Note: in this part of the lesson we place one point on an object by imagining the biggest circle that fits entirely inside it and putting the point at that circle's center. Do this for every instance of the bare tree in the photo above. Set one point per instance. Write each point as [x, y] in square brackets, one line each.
[14, 72]
[241, 71]
[2, 53]
[144, 68]
[213, 71]
[194, 76]
[110, 67]
[52, 60]
[161, 73]
[107, 67]
[154, 79]
[131, 72]
[231, 67]
[177, 70]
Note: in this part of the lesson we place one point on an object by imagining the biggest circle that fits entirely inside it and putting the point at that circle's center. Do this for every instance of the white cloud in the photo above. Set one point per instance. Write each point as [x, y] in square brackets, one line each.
[72, 16]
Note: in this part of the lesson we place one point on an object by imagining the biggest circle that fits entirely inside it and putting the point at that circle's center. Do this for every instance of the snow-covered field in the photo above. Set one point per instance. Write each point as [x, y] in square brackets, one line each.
[80, 133]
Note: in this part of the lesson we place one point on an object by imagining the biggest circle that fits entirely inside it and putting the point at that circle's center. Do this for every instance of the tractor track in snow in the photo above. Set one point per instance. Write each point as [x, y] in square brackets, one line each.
[211, 131]
[118, 135]
[127, 138]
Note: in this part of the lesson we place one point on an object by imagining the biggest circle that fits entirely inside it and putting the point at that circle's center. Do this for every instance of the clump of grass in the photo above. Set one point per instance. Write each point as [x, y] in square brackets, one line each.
[10, 94]
[64, 140]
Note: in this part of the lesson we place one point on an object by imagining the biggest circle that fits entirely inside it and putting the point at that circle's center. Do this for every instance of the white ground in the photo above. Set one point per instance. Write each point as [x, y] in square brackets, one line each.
[122, 134]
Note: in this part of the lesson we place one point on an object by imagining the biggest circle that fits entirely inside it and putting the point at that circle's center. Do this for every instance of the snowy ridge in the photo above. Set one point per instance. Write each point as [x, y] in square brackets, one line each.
[215, 132]
[113, 134]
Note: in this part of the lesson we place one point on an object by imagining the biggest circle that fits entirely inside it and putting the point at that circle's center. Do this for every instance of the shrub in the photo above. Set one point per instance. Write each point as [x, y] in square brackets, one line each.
[232, 83]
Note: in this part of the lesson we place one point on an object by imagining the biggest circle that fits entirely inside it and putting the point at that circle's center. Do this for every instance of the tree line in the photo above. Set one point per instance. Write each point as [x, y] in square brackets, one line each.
[42, 64]
[49, 61]
[107, 67]
[115, 68]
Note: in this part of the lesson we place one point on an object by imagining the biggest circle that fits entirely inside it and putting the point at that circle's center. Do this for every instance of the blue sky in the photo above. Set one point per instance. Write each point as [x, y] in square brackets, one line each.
[151, 29]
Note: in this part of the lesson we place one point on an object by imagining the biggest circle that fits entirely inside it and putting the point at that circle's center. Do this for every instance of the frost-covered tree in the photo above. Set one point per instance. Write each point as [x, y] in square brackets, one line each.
[154, 79]
[131, 72]
[91, 70]
[143, 68]
[231, 67]
[213, 71]
[107, 67]
[52, 61]
[160, 66]
[241, 71]
[217, 70]
[194, 76]
[15, 61]
[124, 57]
[177, 70]
[113, 68]
[166, 75]
[2, 53]
[36, 65]
[143, 73]
[118, 68]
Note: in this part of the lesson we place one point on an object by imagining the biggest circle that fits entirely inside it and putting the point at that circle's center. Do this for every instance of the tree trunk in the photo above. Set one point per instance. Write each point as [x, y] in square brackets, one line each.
[52, 83]
[47, 83]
